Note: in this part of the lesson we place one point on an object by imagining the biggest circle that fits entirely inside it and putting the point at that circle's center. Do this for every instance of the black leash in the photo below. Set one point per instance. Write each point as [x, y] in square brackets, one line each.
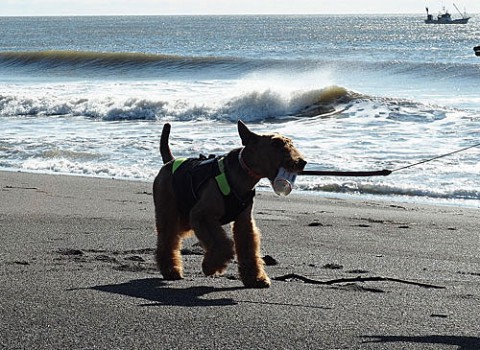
[384, 172]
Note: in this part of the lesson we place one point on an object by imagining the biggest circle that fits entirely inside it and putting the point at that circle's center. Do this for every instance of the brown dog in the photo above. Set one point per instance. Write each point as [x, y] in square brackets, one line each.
[202, 194]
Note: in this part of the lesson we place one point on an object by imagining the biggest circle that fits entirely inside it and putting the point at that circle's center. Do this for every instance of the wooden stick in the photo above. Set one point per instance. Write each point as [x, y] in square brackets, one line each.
[355, 279]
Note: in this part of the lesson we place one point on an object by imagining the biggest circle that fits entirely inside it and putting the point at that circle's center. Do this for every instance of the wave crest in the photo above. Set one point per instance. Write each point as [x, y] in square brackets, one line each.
[268, 104]
[115, 65]
[101, 59]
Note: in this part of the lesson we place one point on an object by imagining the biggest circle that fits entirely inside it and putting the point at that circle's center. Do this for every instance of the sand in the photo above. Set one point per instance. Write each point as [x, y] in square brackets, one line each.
[77, 272]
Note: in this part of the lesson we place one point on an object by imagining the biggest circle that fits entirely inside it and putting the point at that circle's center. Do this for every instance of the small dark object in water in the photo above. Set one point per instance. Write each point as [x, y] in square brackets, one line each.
[477, 50]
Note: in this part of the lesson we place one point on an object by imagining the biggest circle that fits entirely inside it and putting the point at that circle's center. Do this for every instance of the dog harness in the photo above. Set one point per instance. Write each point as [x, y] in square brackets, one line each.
[190, 174]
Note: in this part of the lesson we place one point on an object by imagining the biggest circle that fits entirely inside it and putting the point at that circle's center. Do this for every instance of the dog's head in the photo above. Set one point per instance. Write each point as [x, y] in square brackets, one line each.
[265, 154]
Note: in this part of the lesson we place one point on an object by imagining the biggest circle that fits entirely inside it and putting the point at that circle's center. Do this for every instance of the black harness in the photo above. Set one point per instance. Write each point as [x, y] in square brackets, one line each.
[190, 174]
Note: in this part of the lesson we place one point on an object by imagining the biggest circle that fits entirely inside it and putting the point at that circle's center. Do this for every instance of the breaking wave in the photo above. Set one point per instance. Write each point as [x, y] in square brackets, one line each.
[252, 106]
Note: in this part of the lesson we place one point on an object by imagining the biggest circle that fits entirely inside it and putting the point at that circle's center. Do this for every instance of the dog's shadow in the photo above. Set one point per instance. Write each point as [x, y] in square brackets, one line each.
[159, 292]
[463, 342]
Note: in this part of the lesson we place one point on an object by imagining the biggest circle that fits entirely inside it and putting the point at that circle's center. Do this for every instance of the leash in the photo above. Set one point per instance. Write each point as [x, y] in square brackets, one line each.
[438, 157]
[384, 172]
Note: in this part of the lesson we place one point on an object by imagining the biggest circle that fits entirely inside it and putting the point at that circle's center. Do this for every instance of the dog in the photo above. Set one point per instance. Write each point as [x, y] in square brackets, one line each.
[199, 195]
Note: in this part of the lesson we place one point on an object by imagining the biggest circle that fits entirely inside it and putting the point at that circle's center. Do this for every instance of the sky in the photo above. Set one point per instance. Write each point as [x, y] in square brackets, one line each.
[198, 7]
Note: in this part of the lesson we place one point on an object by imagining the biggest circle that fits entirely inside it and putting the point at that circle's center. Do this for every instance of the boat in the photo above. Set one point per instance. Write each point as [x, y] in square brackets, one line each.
[446, 18]
[476, 49]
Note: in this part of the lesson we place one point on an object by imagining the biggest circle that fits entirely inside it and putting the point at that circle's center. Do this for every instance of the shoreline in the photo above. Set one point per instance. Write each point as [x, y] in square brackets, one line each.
[384, 198]
[78, 272]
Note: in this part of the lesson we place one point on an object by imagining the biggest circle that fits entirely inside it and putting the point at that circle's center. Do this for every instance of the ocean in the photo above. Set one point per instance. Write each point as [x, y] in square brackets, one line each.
[89, 96]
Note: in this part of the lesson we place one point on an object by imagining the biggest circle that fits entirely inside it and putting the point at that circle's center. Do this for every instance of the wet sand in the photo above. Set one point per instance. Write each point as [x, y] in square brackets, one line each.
[77, 272]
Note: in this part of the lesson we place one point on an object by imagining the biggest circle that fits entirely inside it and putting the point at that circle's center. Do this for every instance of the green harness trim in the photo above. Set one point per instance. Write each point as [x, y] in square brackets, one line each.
[176, 163]
[221, 178]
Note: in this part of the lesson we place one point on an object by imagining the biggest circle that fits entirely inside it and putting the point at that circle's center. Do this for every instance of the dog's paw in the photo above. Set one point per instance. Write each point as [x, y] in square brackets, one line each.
[210, 269]
[256, 282]
[216, 261]
[172, 274]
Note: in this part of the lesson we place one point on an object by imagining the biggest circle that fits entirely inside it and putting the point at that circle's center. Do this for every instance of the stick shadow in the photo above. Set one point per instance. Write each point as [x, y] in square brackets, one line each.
[463, 343]
[160, 293]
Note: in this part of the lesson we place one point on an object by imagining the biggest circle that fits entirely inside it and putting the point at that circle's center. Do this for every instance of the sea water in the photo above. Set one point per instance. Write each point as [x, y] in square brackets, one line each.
[89, 96]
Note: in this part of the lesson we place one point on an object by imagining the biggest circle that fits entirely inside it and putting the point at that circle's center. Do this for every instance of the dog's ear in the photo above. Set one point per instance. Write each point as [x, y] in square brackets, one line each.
[245, 134]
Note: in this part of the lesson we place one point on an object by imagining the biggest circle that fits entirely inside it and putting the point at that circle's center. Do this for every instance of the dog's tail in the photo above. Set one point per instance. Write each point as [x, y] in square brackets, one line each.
[164, 147]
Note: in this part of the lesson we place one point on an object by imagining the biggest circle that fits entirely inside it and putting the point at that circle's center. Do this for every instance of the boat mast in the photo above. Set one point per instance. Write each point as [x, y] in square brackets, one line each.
[461, 14]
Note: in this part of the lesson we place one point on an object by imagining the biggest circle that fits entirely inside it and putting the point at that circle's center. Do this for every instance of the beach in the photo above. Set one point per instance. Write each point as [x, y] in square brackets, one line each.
[78, 272]
[379, 262]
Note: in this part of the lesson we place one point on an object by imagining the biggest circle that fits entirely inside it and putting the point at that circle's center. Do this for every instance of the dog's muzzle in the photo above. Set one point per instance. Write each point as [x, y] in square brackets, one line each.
[283, 182]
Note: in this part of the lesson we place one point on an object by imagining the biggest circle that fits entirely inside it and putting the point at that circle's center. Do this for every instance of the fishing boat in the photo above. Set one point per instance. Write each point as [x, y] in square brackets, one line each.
[446, 17]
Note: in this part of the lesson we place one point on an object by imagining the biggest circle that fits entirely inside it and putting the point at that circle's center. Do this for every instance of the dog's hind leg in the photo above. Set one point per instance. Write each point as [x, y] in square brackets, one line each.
[170, 230]
[168, 255]
[247, 246]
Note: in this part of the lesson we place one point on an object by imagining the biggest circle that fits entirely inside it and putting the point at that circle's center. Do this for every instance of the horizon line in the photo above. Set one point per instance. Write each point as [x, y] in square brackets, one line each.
[219, 14]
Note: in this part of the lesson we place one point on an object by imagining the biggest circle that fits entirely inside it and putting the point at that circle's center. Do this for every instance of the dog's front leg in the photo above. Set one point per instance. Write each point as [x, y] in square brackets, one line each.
[204, 220]
[218, 247]
[247, 246]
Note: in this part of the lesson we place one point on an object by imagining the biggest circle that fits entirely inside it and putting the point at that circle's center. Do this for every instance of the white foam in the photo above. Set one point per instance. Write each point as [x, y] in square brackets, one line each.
[112, 130]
